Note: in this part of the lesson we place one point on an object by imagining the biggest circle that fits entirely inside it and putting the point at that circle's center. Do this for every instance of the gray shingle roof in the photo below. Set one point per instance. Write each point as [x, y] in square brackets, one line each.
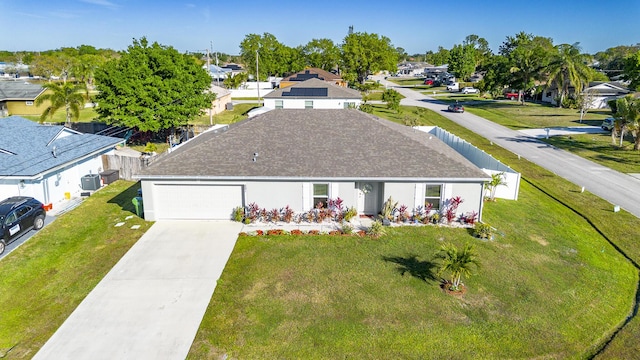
[322, 75]
[315, 144]
[27, 148]
[19, 90]
[333, 91]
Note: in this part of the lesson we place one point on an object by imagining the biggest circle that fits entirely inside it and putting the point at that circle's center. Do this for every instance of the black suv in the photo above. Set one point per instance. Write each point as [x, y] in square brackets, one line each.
[18, 215]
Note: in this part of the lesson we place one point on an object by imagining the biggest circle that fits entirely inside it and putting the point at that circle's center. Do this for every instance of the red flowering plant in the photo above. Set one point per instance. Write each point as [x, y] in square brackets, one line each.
[287, 214]
[452, 207]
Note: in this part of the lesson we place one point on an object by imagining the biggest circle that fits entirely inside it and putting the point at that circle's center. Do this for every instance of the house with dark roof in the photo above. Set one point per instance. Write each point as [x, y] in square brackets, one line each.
[300, 157]
[313, 94]
[18, 98]
[49, 163]
[313, 73]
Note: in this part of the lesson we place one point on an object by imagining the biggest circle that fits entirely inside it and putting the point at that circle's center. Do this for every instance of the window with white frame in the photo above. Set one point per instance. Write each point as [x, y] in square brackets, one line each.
[433, 195]
[279, 104]
[320, 194]
[308, 104]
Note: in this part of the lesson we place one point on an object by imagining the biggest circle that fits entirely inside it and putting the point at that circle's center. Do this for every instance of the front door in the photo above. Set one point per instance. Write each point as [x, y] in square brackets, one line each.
[368, 198]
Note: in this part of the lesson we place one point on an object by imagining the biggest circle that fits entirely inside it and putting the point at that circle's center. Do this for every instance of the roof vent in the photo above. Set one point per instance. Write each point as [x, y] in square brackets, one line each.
[255, 156]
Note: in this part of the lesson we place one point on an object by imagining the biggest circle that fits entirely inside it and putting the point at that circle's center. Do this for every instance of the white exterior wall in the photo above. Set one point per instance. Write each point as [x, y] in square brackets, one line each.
[317, 103]
[471, 195]
[53, 186]
[275, 195]
[403, 193]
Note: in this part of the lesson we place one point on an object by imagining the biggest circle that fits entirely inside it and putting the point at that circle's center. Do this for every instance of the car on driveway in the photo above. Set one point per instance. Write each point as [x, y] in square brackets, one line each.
[469, 90]
[18, 215]
[456, 108]
[608, 124]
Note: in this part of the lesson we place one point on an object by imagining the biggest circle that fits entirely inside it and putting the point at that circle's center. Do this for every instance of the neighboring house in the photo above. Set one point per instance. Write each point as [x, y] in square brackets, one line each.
[223, 97]
[601, 92]
[18, 98]
[313, 94]
[49, 163]
[301, 157]
[313, 73]
[412, 68]
[218, 72]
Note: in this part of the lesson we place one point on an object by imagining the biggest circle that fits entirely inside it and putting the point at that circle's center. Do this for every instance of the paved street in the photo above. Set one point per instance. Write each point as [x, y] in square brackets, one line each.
[618, 188]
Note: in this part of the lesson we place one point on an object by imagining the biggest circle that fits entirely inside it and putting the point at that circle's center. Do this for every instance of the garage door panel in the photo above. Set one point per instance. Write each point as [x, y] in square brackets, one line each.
[196, 201]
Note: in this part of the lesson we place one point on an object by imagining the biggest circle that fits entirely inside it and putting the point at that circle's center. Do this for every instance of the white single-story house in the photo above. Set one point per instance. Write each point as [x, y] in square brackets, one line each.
[298, 157]
[313, 94]
[599, 91]
[49, 163]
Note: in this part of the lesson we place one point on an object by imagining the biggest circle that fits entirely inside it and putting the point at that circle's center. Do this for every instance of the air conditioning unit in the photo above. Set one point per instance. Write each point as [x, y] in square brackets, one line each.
[90, 182]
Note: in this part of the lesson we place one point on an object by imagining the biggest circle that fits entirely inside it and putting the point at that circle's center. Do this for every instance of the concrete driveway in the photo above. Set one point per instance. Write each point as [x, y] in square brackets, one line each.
[611, 185]
[150, 305]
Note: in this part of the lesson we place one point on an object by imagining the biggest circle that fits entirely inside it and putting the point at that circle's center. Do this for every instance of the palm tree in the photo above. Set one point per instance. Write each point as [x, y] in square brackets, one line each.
[628, 119]
[497, 179]
[568, 68]
[65, 95]
[458, 263]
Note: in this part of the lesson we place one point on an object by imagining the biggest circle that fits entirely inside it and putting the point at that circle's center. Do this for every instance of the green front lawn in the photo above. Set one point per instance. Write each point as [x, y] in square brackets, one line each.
[60, 116]
[550, 287]
[45, 279]
[238, 113]
[533, 116]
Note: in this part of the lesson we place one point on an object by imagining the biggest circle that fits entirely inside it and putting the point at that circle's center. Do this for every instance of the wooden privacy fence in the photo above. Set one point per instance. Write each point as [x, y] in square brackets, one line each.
[127, 165]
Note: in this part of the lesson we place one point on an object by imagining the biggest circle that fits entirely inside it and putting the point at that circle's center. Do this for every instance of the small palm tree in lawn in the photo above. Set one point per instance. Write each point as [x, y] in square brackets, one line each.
[497, 179]
[457, 262]
[65, 95]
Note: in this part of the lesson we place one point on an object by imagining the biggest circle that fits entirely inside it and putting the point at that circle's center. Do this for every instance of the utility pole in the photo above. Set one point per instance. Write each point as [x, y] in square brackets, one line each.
[258, 77]
[210, 105]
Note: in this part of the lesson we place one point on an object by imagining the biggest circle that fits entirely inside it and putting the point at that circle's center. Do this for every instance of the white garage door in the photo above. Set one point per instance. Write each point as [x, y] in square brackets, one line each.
[196, 201]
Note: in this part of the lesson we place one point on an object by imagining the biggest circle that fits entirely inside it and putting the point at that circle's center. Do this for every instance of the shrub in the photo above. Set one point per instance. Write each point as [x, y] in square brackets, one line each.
[335, 232]
[470, 218]
[296, 232]
[238, 214]
[287, 214]
[483, 231]
[376, 230]
[347, 229]
[350, 214]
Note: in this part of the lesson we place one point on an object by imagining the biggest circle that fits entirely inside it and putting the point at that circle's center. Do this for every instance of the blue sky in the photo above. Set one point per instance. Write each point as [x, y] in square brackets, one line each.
[416, 26]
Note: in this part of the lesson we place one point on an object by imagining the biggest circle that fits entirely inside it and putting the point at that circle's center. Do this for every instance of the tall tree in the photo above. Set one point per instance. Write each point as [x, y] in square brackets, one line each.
[528, 57]
[66, 95]
[322, 54]
[568, 68]
[440, 57]
[631, 70]
[462, 61]
[364, 54]
[152, 87]
[497, 75]
[481, 49]
[273, 57]
[392, 98]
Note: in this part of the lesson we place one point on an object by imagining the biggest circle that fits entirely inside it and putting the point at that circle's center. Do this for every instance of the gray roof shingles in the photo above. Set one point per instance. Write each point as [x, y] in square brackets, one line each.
[333, 91]
[26, 148]
[19, 90]
[315, 144]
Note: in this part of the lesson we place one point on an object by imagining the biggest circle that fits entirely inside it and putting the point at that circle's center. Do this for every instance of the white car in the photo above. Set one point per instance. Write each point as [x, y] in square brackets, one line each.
[469, 90]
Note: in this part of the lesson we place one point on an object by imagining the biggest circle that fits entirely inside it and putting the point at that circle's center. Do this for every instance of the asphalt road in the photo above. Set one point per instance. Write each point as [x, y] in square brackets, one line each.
[619, 189]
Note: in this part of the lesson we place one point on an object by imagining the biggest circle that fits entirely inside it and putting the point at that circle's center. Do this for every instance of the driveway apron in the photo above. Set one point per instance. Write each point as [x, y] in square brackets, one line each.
[150, 305]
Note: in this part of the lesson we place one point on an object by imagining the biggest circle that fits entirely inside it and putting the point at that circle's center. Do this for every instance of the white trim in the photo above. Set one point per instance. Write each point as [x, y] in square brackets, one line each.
[306, 192]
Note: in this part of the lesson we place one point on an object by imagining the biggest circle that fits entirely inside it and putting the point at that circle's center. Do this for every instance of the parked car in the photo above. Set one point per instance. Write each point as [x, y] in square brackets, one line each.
[454, 86]
[511, 95]
[428, 82]
[18, 215]
[469, 90]
[456, 108]
[608, 124]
